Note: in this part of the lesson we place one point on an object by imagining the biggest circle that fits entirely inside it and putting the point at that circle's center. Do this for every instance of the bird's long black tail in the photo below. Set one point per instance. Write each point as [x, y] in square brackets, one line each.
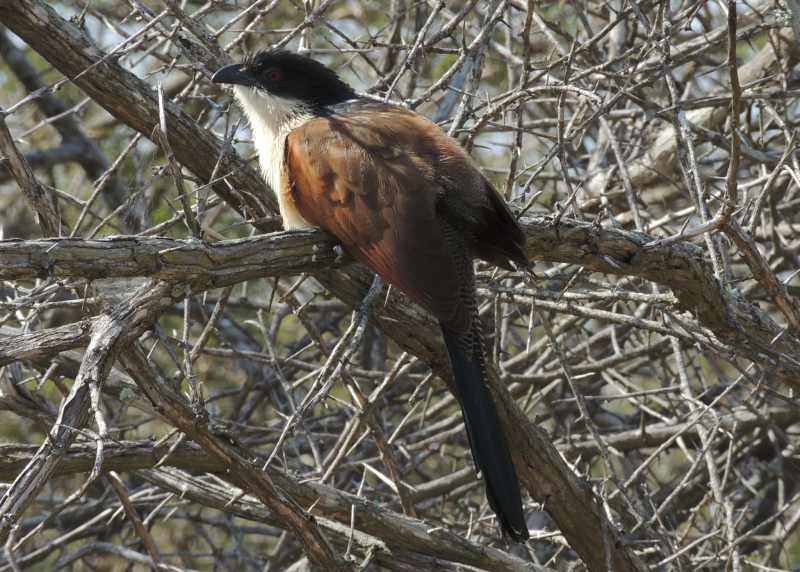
[486, 436]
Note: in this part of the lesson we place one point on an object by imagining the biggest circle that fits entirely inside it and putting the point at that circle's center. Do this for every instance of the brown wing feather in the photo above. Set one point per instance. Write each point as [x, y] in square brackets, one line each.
[370, 180]
[383, 180]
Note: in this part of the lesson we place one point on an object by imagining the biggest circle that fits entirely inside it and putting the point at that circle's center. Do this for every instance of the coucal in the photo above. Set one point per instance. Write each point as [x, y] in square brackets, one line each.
[403, 198]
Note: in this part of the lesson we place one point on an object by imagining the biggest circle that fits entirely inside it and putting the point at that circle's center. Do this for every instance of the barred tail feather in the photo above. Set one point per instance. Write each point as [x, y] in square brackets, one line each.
[487, 439]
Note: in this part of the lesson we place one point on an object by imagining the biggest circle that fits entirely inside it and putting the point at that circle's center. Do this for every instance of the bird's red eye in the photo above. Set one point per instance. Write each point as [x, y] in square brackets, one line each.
[274, 74]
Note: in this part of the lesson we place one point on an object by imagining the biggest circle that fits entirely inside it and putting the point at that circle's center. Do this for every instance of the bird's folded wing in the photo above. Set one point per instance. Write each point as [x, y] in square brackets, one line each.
[370, 180]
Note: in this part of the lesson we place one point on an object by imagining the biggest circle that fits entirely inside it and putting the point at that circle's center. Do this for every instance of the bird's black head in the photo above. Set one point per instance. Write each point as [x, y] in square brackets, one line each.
[290, 76]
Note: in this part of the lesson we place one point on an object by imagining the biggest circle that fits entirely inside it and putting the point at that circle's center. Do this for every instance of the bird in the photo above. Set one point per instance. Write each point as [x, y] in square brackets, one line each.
[405, 199]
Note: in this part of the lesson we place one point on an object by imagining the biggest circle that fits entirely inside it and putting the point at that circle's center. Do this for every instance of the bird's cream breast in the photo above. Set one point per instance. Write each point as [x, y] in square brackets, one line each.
[271, 120]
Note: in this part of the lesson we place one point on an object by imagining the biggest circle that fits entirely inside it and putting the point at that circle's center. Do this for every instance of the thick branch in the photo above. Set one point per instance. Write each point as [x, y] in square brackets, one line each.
[681, 266]
[41, 344]
[205, 265]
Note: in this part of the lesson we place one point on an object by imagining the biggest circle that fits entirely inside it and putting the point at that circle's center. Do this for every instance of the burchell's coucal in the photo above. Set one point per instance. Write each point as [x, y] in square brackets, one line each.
[403, 198]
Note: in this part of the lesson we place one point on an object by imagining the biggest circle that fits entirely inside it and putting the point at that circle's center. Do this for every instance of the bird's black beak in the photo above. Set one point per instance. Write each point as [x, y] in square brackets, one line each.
[235, 74]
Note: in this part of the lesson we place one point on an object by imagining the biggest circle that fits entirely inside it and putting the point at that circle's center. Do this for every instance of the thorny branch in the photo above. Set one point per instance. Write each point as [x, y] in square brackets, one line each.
[649, 148]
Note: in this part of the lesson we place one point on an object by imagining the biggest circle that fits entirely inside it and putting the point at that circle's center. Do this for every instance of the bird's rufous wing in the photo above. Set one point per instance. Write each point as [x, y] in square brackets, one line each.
[369, 178]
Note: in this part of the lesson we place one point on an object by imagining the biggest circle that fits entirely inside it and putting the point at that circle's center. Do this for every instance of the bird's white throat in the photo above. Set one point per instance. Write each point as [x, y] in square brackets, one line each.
[271, 119]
